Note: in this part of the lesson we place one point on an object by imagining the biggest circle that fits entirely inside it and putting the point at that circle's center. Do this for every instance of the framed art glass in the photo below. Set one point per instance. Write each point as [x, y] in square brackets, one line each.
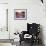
[20, 14]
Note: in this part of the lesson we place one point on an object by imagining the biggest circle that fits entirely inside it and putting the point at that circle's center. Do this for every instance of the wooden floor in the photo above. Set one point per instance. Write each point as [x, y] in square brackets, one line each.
[29, 44]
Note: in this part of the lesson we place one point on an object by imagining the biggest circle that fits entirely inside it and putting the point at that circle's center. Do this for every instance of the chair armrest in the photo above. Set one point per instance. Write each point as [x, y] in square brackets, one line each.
[24, 32]
[22, 35]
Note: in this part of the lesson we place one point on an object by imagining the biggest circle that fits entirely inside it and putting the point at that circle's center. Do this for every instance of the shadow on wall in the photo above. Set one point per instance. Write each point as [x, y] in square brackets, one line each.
[41, 34]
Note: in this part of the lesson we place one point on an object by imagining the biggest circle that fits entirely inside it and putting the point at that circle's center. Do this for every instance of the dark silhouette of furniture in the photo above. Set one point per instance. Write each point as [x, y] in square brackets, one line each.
[33, 30]
[42, 1]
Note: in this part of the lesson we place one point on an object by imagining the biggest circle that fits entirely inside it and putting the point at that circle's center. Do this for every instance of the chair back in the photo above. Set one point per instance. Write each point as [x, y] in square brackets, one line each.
[33, 28]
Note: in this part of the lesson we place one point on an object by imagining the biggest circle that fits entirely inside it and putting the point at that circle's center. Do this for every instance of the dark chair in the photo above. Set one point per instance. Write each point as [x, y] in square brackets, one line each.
[32, 29]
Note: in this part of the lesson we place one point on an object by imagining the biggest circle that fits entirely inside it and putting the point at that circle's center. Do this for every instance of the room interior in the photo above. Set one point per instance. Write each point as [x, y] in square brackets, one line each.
[9, 27]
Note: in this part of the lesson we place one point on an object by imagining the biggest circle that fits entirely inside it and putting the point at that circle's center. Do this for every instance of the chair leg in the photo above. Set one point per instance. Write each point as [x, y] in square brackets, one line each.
[20, 42]
[32, 42]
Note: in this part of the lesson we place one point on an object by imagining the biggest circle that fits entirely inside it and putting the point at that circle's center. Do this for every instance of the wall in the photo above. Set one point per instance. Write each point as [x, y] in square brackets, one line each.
[3, 21]
[35, 13]
[3, 17]
[3, 1]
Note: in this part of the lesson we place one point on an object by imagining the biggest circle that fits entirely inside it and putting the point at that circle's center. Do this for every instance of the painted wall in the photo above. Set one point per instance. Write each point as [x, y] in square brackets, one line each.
[3, 1]
[3, 24]
[3, 21]
[35, 14]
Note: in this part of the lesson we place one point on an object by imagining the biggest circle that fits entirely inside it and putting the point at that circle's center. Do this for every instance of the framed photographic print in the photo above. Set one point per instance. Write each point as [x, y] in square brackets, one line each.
[20, 14]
